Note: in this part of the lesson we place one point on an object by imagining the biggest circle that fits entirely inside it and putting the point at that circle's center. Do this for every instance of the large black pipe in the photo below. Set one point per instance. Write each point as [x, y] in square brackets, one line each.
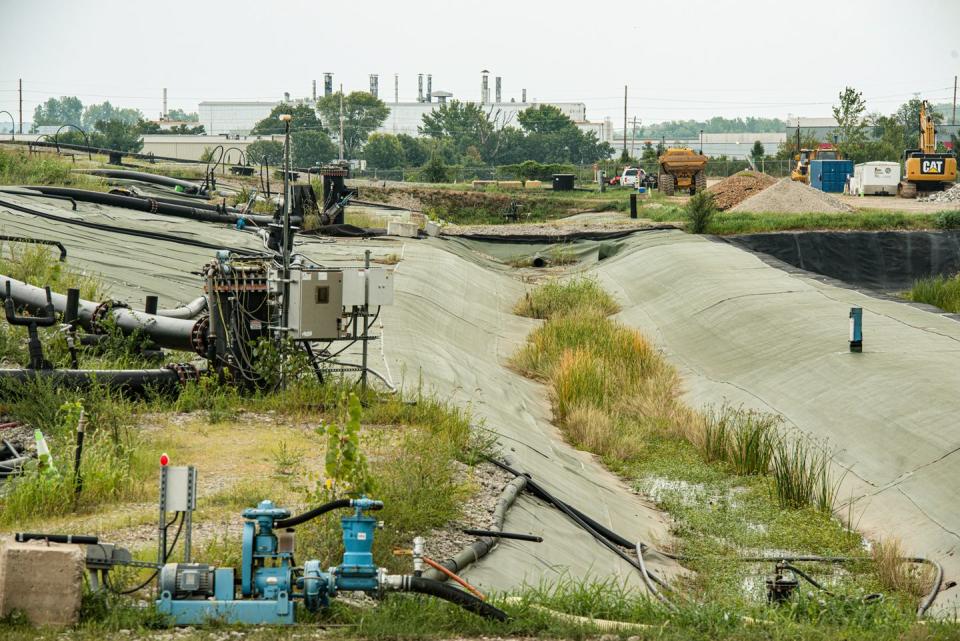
[153, 206]
[188, 187]
[129, 380]
[449, 593]
[172, 333]
[191, 310]
[293, 521]
[81, 539]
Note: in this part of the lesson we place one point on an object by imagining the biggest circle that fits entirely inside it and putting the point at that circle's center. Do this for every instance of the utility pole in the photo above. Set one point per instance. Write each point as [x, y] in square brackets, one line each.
[285, 307]
[633, 138]
[341, 122]
[624, 120]
[953, 120]
[21, 105]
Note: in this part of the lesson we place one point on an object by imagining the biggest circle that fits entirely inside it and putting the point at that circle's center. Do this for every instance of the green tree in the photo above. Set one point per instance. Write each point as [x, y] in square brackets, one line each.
[552, 137]
[384, 151]
[181, 116]
[649, 154]
[908, 115]
[363, 114]
[269, 150]
[107, 112]
[309, 148]
[851, 125]
[435, 171]
[415, 152]
[303, 117]
[116, 134]
[66, 110]
[758, 152]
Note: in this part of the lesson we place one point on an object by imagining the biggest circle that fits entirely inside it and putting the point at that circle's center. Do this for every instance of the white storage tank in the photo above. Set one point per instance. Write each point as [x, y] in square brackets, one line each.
[877, 178]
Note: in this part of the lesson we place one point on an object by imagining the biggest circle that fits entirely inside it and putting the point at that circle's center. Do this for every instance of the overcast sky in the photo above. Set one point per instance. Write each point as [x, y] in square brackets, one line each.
[680, 58]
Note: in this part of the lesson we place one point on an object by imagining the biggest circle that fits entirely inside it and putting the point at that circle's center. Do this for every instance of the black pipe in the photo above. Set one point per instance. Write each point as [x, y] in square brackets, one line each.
[71, 313]
[190, 310]
[130, 380]
[449, 593]
[79, 539]
[633, 205]
[505, 535]
[38, 241]
[212, 214]
[312, 514]
[78, 456]
[153, 235]
[189, 187]
[150, 305]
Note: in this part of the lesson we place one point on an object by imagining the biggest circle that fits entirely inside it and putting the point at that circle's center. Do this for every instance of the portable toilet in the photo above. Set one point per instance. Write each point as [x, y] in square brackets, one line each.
[877, 178]
[830, 175]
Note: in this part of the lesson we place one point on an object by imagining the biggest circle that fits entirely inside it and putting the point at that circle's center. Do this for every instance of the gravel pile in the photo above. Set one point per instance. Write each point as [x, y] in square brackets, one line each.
[790, 197]
[731, 191]
[951, 195]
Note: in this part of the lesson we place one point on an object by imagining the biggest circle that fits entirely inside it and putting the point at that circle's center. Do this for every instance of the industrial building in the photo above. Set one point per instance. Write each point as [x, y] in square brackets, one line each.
[239, 117]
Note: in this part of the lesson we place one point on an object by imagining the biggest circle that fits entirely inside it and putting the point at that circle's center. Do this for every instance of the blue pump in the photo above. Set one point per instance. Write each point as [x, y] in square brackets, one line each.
[192, 593]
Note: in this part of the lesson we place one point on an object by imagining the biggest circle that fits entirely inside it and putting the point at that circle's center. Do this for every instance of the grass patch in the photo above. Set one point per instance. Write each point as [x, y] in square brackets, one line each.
[17, 167]
[556, 298]
[865, 220]
[941, 291]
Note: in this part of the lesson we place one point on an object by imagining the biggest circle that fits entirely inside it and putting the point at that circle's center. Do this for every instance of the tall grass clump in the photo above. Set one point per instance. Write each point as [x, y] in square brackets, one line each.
[699, 211]
[39, 265]
[801, 476]
[941, 291]
[19, 168]
[898, 573]
[744, 439]
[552, 299]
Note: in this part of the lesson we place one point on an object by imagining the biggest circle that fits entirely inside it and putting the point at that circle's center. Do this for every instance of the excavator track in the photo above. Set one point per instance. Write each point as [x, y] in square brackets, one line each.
[907, 189]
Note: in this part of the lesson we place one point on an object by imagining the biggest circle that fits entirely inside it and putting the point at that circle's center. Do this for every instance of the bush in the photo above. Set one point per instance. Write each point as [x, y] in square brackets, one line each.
[553, 299]
[947, 220]
[533, 170]
[435, 171]
[271, 150]
[699, 211]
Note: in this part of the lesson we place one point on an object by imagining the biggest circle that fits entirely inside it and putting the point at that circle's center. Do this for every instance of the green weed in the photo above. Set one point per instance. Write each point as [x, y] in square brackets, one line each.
[941, 291]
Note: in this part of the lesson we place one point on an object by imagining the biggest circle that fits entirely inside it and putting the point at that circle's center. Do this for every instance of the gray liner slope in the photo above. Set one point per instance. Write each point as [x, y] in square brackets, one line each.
[450, 328]
[741, 330]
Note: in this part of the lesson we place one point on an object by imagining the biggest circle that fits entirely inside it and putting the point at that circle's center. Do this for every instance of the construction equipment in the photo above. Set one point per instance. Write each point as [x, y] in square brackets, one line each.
[682, 168]
[924, 169]
[801, 172]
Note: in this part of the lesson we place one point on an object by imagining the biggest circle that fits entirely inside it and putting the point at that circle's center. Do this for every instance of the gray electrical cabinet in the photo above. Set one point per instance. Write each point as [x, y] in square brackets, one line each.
[381, 286]
[316, 304]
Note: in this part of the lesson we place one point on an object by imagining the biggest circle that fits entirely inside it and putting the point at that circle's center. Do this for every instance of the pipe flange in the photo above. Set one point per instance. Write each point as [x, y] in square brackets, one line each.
[185, 372]
[154, 205]
[198, 335]
[101, 312]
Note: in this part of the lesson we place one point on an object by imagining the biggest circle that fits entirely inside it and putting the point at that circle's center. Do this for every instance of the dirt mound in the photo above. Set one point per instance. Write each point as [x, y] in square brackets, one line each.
[790, 197]
[731, 191]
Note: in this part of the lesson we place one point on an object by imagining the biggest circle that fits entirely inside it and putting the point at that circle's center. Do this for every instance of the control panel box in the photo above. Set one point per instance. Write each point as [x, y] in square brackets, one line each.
[316, 304]
[381, 286]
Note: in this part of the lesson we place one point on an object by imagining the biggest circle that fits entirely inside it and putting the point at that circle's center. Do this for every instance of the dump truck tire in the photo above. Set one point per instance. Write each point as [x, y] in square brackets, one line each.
[906, 189]
[699, 182]
[666, 184]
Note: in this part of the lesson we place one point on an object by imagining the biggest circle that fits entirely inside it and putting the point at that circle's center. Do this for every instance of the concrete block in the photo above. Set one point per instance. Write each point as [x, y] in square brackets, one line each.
[480, 184]
[533, 184]
[510, 184]
[44, 581]
[432, 228]
[399, 228]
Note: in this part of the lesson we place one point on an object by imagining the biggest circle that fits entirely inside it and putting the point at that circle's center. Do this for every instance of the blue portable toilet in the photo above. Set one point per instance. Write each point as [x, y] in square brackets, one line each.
[830, 175]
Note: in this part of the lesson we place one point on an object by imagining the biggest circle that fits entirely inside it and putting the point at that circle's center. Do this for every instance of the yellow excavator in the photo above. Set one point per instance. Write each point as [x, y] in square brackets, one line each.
[924, 169]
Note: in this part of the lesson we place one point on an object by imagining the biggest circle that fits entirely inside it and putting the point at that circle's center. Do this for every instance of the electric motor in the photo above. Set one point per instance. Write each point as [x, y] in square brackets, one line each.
[187, 580]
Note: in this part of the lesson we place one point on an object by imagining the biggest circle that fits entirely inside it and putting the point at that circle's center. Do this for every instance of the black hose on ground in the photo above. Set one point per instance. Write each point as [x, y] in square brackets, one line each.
[207, 214]
[180, 240]
[514, 536]
[166, 181]
[449, 593]
[312, 514]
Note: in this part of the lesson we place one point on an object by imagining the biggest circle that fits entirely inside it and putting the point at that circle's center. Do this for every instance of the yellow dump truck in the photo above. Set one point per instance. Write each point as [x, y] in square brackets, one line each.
[924, 169]
[682, 168]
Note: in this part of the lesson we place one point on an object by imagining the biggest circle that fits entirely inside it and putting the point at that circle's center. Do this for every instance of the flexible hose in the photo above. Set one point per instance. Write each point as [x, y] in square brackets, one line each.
[455, 577]
[189, 311]
[294, 521]
[189, 187]
[131, 380]
[446, 592]
[78, 539]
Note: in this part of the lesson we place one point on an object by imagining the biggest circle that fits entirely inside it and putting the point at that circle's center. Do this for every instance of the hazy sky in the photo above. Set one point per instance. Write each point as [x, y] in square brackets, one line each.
[681, 59]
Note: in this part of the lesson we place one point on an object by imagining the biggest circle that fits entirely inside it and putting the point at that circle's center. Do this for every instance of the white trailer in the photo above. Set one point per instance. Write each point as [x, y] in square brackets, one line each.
[877, 178]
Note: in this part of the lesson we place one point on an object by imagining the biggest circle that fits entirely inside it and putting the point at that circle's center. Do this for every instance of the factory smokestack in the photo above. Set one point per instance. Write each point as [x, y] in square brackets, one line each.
[523, 97]
[314, 92]
[429, 87]
[420, 87]
[163, 116]
[327, 84]
[374, 85]
[496, 85]
[396, 88]
[484, 87]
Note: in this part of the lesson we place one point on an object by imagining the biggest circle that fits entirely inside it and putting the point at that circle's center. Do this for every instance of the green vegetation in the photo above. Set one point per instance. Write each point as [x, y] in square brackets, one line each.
[941, 291]
[363, 114]
[17, 167]
[555, 299]
[699, 211]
